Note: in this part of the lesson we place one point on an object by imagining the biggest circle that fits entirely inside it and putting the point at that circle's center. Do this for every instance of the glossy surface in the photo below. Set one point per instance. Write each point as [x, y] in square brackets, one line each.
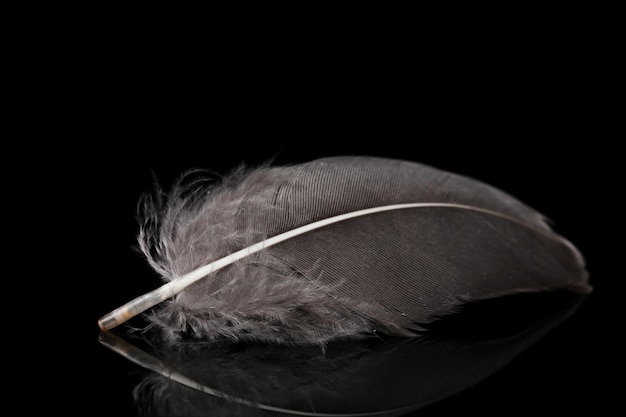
[377, 377]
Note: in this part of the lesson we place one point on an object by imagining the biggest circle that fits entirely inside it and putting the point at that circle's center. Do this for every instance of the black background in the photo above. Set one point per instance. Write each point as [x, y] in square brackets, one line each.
[528, 116]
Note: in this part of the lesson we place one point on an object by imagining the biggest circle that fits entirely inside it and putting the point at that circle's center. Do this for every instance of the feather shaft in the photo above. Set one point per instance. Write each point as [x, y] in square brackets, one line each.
[174, 287]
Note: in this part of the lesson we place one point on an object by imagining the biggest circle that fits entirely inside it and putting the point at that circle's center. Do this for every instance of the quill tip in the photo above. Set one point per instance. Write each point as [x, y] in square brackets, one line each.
[106, 324]
[114, 319]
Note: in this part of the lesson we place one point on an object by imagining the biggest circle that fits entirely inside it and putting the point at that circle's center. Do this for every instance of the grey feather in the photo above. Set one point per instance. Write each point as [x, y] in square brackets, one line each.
[390, 273]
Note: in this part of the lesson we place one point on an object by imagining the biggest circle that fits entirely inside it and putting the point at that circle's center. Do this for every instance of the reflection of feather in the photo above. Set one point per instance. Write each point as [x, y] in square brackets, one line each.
[391, 271]
[345, 379]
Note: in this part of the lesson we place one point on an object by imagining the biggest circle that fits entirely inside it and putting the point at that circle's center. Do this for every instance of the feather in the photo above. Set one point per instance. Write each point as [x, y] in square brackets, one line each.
[338, 247]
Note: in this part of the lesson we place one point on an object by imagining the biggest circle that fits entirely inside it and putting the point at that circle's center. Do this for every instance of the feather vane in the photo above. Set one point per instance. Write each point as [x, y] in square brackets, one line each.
[339, 247]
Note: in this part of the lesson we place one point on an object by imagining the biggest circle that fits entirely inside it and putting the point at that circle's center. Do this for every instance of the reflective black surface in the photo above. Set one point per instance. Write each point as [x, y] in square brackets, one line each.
[382, 377]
